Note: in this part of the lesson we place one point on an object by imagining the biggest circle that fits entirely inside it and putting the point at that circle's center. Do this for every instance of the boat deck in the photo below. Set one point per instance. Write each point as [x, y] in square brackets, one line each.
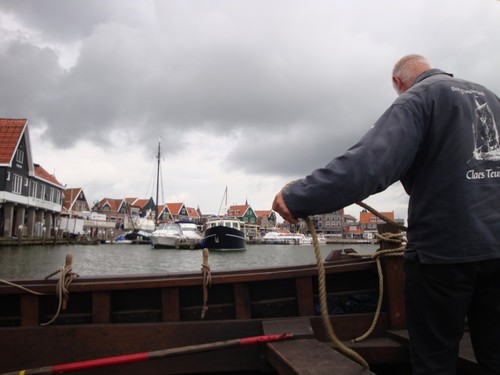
[307, 355]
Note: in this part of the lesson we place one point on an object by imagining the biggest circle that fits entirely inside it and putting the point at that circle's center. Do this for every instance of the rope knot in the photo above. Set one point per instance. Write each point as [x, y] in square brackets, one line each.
[66, 277]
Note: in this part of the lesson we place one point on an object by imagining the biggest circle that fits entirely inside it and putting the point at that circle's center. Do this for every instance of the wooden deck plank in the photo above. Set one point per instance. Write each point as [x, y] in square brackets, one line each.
[375, 350]
[299, 327]
[310, 357]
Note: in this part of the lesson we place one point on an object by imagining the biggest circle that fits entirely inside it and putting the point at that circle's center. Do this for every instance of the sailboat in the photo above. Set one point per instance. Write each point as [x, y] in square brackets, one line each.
[224, 233]
[178, 235]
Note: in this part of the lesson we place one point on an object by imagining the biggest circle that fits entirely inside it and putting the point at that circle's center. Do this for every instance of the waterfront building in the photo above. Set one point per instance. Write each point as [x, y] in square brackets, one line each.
[127, 213]
[369, 222]
[30, 197]
[175, 211]
[194, 215]
[115, 211]
[265, 219]
[244, 213]
[247, 215]
[331, 223]
[75, 202]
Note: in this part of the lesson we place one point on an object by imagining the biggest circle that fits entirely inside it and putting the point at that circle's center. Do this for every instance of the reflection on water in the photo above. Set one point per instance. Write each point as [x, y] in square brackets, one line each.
[104, 260]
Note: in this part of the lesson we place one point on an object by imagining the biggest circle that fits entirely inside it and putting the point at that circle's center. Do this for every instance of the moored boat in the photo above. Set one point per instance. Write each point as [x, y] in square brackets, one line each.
[284, 238]
[224, 234]
[191, 232]
[138, 237]
[178, 235]
[178, 323]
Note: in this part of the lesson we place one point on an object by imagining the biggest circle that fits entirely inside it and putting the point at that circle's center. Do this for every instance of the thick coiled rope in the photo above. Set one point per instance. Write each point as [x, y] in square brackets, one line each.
[323, 301]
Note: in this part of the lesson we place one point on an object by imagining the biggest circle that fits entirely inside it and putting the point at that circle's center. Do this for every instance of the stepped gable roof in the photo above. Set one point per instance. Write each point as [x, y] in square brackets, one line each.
[11, 131]
[42, 174]
[174, 208]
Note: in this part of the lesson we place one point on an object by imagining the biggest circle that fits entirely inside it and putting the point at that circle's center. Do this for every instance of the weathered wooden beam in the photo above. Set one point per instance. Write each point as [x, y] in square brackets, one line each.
[305, 300]
[101, 307]
[310, 356]
[170, 304]
[242, 304]
[29, 310]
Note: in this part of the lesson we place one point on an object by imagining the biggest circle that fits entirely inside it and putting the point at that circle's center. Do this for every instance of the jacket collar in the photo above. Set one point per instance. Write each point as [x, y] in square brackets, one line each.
[428, 73]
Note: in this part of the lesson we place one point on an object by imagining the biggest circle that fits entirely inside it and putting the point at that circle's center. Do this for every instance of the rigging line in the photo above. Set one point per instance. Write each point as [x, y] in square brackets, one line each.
[344, 349]
[381, 216]
[23, 288]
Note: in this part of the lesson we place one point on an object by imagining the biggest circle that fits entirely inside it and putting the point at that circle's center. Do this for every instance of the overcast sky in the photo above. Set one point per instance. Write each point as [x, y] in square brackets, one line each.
[250, 93]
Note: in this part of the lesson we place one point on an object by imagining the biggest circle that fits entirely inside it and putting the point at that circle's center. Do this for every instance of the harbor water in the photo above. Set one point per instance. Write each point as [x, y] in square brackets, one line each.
[36, 262]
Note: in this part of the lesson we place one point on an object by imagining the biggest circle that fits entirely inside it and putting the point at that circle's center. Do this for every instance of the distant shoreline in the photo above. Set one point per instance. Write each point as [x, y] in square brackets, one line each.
[349, 241]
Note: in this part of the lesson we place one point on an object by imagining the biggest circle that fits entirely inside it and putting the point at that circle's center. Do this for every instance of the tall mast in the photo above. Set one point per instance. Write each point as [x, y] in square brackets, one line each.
[223, 204]
[157, 184]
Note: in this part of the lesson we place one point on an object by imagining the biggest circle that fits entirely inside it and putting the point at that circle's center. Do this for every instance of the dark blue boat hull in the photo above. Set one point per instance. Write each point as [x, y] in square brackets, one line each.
[224, 238]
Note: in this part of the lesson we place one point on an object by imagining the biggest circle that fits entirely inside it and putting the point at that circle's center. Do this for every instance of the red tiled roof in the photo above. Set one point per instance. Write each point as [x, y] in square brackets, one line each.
[130, 201]
[238, 210]
[44, 175]
[365, 217]
[261, 213]
[70, 195]
[10, 134]
[174, 208]
[140, 202]
[192, 212]
[159, 209]
[114, 204]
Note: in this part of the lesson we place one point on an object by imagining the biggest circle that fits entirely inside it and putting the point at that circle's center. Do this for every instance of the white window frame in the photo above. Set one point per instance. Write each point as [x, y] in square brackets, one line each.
[42, 192]
[20, 156]
[17, 186]
[33, 189]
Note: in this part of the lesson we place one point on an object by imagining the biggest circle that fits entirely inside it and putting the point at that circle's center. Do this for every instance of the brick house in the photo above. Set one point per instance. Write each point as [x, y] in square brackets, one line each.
[369, 222]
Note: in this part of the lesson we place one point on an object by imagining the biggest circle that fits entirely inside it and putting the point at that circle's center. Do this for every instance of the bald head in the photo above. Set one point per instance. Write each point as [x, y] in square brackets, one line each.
[406, 70]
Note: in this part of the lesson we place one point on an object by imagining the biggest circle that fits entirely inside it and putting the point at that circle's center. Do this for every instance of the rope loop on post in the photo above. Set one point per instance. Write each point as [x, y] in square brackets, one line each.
[207, 281]
[66, 277]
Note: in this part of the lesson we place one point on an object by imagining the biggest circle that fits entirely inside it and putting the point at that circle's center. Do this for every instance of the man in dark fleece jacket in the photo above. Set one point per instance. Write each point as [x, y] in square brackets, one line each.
[440, 138]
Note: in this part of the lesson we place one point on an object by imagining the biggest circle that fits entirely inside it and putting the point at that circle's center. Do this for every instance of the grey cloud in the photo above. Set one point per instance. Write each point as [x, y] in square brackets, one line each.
[291, 97]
